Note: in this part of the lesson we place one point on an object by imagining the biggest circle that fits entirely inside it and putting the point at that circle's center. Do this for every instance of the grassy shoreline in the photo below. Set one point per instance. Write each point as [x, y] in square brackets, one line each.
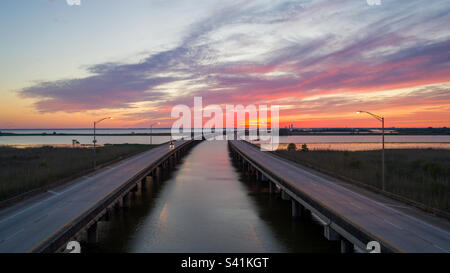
[26, 169]
[421, 175]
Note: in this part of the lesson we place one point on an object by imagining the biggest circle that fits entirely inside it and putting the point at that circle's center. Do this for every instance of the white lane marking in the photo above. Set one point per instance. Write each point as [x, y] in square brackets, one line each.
[80, 183]
[27, 209]
[389, 222]
[54, 192]
[361, 196]
[353, 204]
[12, 235]
[40, 218]
[443, 249]
[397, 206]
[371, 200]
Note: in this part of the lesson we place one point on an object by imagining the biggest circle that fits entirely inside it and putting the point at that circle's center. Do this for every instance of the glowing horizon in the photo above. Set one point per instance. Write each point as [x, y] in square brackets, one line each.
[321, 61]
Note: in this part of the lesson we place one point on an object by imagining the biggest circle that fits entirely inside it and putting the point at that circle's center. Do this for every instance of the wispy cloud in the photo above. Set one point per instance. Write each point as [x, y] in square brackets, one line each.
[262, 51]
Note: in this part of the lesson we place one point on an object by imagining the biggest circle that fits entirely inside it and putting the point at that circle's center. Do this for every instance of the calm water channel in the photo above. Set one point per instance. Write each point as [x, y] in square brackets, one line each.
[207, 205]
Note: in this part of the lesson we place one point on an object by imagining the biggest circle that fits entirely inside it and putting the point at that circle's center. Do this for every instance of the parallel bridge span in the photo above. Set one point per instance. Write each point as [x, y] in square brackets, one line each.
[348, 216]
[48, 221]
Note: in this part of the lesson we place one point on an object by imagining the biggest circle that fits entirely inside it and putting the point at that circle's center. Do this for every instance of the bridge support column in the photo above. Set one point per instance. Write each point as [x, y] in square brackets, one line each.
[296, 210]
[126, 201]
[158, 173]
[106, 216]
[271, 187]
[284, 195]
[170, 162]
[135, 188]
[144, 183]
[118, 204]
[346, 246]
[92, 235]
[253, 171]
[330, 234]
[154, 175]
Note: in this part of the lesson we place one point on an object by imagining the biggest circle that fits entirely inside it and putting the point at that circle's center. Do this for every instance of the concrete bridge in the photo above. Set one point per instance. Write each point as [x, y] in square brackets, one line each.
[348, 215]
[48, 221]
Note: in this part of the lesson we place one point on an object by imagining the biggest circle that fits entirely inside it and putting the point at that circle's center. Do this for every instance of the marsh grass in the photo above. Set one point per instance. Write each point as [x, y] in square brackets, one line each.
[22, 170]
[422, 175]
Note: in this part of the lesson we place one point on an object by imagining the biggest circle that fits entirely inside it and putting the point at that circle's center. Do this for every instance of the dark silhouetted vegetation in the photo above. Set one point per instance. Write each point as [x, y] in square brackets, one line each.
[22, 170]
[305, 147]
[291, 147]
[422, 175]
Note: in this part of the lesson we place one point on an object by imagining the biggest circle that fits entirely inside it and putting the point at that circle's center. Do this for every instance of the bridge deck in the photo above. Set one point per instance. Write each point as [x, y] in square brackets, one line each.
[26, 224]
[399, 230]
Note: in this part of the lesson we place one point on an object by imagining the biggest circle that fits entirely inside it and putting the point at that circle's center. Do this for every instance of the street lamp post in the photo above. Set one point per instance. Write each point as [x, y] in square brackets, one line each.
[383, 185]
[95, 140]
[151, 132]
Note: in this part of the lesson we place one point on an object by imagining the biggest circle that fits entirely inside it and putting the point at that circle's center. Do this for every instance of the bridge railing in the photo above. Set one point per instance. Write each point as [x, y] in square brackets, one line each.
[90, 216]
[344, 226]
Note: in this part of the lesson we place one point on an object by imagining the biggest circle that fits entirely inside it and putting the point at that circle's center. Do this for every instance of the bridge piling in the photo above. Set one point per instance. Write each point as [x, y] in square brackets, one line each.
[284, 195]
[331, 234]
[322, 200]
[92, 234]
[144, 183]
[271, 188]
[153, 174]
[346, 246]
[106, 216]
[158, 173]
[296, 212]
[126, 201]
[85, 226]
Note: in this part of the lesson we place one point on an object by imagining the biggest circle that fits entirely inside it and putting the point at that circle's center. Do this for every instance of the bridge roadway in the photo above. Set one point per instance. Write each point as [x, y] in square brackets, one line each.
[36, 223]
[354, 216]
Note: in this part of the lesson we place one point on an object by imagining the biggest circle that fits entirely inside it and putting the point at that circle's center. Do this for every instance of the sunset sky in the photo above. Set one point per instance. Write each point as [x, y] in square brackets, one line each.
[64, 66]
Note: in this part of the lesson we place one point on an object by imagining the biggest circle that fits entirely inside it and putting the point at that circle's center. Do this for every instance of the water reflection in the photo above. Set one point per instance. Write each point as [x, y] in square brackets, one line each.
[207, 205]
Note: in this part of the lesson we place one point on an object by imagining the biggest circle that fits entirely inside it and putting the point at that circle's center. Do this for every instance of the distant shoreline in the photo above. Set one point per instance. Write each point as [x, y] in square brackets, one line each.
[430, 131]
[168, 134]
[80, 134]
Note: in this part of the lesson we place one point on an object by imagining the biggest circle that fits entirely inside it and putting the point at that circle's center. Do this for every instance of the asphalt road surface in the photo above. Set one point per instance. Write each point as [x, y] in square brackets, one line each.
[24, 225]
[405, 232]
